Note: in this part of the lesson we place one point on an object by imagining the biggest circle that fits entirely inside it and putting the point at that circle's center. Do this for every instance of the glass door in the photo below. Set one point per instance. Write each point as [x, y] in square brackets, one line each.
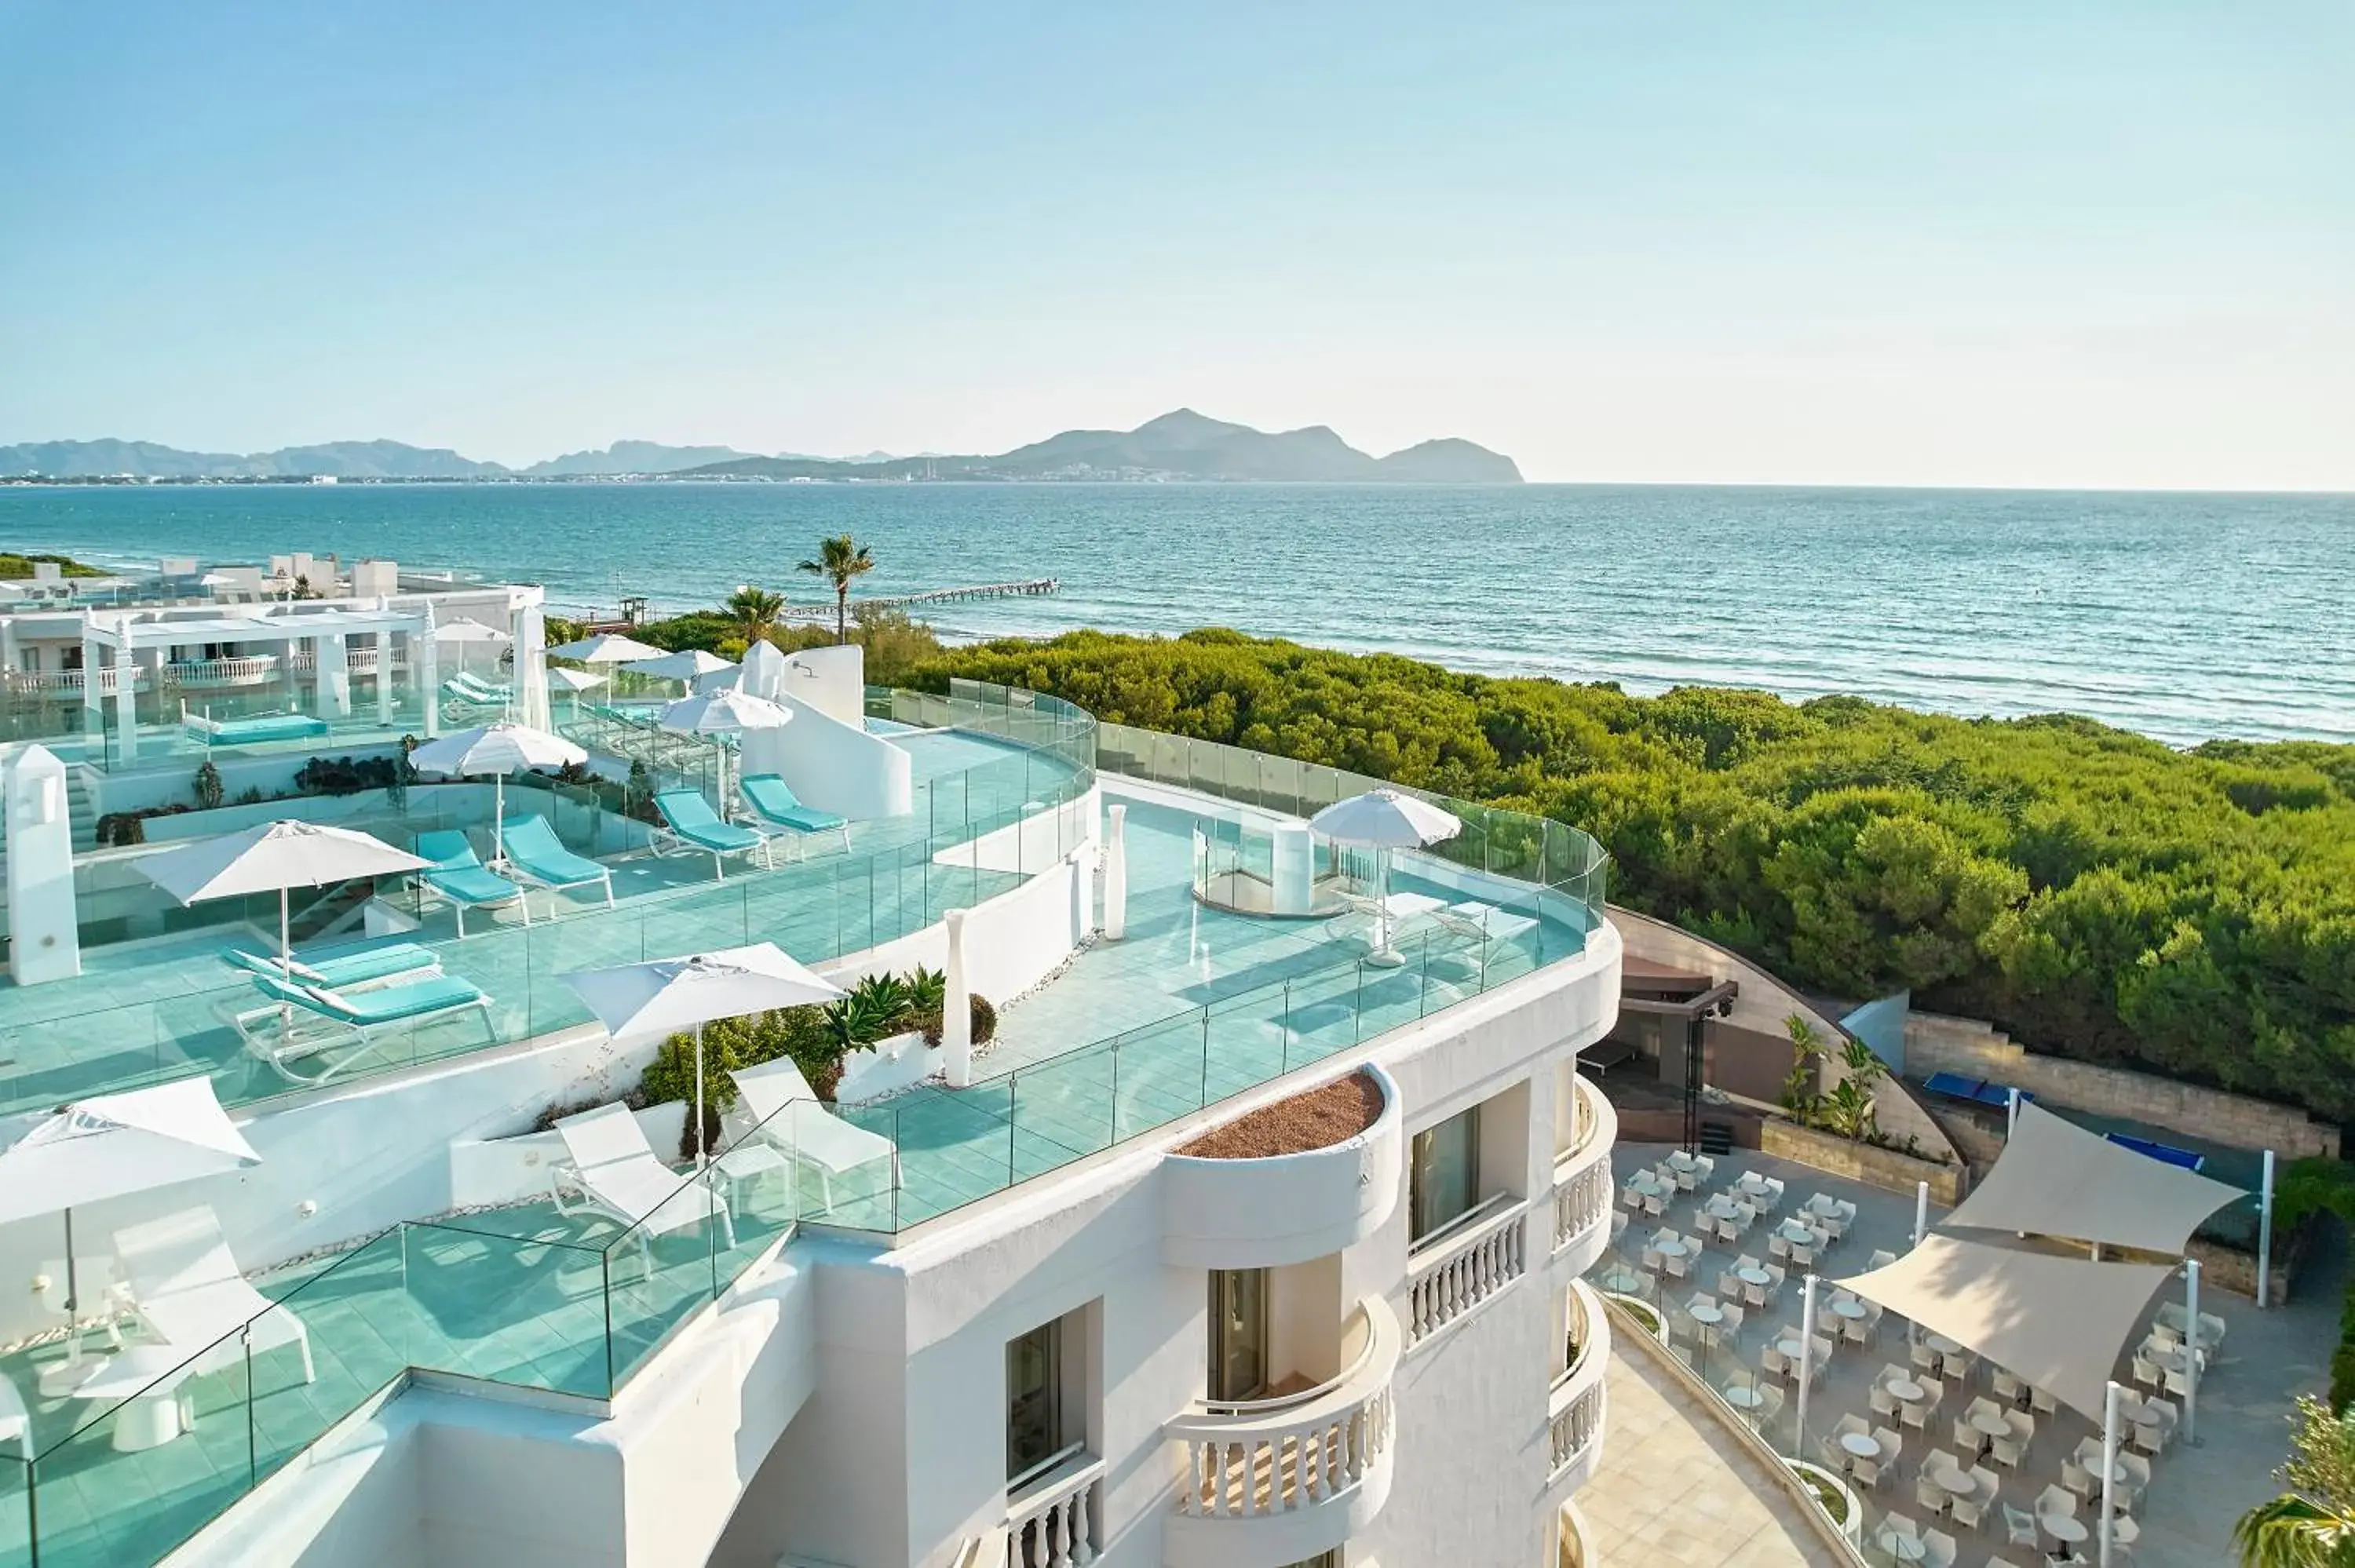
[1238, 1333]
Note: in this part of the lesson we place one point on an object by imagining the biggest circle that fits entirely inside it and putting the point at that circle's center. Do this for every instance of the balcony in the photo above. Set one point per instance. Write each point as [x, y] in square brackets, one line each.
[64, 685]
[1581, 1179]
[1459, 1268]
[1266, 1211]
[255, 670]
[1052, 1522]
[1267, 1482]
[1574, 1407]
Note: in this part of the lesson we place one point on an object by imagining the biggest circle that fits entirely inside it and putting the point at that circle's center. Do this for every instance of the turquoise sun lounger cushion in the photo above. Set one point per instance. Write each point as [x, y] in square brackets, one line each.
[690, 816]
[344, 968]
[775, 801]
[458, 873]
[417, 998]
[532, 844]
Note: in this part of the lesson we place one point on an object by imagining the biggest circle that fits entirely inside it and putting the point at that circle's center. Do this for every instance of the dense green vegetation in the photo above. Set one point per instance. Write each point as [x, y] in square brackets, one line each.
[895, 644]
[2094, 892]
[18, 568]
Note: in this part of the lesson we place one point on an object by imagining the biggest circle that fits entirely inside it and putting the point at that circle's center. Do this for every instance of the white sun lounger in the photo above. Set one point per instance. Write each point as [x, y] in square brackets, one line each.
[185, 1288]
[611, 1171]
[1476, 921]
[791, 1125]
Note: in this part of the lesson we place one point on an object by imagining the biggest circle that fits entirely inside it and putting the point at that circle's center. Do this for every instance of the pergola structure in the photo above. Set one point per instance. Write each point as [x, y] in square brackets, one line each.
[116, 642]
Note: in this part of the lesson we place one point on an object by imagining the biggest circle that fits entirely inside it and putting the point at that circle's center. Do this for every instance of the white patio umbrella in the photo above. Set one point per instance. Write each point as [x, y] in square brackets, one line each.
[497, 749]
[725, 678]
[653, 1001]
[727, 712]
[605, 647]
[1384, 820]
[272, 858]
[109, 1146]
[688, 665]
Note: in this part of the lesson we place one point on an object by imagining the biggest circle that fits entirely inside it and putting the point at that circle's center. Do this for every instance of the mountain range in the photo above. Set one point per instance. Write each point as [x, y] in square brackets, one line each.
[1182, 445]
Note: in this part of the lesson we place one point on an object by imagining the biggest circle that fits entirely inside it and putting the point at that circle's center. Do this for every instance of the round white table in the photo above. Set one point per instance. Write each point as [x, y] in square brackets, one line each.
[1906, 1390]
[1743, 1396]
[2062, 1528]
[1903, 1547]
[1792, 1231]
[1681, 1161]
[1790, 1349]
[1991, 1424]
[1670, 1246]
[1863, 1445]
[1712, 1315]
[1942, 1345]
[1754, 1276]
[1848, 1308]
[1951, 1481]
[1721, 1208]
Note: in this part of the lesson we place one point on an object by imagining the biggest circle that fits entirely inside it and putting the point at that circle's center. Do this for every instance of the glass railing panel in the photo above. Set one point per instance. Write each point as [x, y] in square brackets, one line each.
[143, 1469]
[1063, 1109]
[954, 1147]
[525, 1310]
[335, 1339]
[16, 1512]
[663, 1267]
[1160, 1073]
[1247, 1042]
[861, 1190]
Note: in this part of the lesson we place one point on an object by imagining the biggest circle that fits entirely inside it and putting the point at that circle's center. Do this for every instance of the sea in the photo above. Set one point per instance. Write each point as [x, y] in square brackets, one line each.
[2182, 616]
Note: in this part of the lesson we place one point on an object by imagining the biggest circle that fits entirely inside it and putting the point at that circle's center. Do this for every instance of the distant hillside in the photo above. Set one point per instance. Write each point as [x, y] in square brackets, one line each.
[631, 457]
[1180, 445]
[146, 460]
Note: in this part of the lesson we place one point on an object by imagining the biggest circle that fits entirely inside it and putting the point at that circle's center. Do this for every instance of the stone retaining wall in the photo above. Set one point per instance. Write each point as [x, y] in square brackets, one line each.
[1875, 1167]
[1936, 1043]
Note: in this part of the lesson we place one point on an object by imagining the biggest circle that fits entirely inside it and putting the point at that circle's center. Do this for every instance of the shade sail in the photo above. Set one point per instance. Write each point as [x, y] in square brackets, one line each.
[2055, 1179]
[270, 859]
[605, 647]
[2060, 1322]
[654, 1000]
[1387, 818]
[111, 1145]
[575, 680]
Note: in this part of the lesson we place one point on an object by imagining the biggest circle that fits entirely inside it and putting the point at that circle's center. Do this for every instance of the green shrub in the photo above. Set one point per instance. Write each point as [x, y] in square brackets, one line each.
[207, 787]
[2094, 892]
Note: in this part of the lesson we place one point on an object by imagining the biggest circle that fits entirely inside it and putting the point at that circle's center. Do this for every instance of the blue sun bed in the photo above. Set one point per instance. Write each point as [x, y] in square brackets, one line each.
[689, 819]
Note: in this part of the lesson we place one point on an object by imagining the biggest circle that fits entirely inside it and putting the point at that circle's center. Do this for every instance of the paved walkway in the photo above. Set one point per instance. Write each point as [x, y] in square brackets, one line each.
[1676, 1491]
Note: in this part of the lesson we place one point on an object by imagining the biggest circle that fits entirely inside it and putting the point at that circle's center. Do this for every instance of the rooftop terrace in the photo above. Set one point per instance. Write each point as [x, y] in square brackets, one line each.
[1194, 1005]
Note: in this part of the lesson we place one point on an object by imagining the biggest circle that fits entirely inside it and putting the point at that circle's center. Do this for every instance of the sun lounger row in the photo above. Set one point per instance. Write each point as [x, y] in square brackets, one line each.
[528, 850]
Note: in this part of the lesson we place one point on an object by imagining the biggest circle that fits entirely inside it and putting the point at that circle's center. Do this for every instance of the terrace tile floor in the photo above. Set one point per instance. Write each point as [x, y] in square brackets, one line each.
[2197, 1490]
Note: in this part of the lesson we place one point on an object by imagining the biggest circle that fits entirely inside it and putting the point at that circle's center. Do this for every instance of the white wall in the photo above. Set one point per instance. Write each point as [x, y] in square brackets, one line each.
[830, 765]
[832, 680]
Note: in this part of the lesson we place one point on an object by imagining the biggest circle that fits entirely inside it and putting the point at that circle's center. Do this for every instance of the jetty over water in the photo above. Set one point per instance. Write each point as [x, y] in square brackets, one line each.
[931, 596]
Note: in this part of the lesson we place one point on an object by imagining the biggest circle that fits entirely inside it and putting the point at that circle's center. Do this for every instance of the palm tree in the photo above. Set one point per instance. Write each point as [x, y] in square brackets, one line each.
[839, 560]
[756, 610]
[2313, 1524]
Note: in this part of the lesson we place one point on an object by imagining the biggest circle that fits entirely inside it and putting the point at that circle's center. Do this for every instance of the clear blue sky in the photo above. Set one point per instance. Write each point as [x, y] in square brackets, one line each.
[2047, 243]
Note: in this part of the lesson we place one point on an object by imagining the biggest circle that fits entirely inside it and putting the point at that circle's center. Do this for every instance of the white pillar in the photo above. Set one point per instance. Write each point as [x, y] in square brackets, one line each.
[127, 703]
[530, 675]
[2265, 1233]
[94, 685]
[2191, 1349]
[956, 1008]
[1807, 1363]
[2109, 1460]
[2010, 1113]
[1920, 1211]
[44, 943]
[424, 658]
[384, 680]
[1115, 911]
[331, 667]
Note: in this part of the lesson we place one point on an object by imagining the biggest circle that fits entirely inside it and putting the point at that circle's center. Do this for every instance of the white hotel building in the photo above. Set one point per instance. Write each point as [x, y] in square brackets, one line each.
[984, 1309]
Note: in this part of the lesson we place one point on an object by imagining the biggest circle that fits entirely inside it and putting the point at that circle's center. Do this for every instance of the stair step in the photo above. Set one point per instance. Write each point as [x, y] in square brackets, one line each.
[1717, 1137]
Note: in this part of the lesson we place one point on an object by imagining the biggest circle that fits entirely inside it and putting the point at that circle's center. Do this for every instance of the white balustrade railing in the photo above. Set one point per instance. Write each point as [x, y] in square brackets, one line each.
[1458, 1269]
[1302, 1451]
[1052, 1522]
[76, 681]
[1575, 1408]
[251, 669]
[1581, 1173]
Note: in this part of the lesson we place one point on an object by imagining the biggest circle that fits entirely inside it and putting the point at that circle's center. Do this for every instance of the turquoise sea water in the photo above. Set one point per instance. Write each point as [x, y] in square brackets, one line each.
[2181, 616]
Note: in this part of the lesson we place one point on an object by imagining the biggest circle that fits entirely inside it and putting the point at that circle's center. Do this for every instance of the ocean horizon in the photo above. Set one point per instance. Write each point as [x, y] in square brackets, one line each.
[2185, 616]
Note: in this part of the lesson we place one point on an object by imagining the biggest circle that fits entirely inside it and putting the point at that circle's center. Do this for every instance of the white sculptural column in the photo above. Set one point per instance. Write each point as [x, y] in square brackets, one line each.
[1115, 910]
[44, 939]
[956, 1008]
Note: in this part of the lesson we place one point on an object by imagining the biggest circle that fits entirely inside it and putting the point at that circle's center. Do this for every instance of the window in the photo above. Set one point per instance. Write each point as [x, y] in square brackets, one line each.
[1034, 1403]
[1443, 1175]
[1238, 1333]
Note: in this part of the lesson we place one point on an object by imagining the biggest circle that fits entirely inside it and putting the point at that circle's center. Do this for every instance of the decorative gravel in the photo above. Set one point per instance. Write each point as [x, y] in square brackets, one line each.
[1318, 1120]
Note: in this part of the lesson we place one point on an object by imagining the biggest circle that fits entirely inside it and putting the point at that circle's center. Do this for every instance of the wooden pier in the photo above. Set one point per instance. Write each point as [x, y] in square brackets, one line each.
[933, 596]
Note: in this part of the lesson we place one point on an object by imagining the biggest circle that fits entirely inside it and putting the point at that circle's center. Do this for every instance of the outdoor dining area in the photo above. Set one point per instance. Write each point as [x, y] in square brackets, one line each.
[2002, 1390]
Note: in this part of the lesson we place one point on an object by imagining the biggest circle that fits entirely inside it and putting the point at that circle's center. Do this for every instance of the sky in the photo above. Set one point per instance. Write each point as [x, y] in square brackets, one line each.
[2065, 244]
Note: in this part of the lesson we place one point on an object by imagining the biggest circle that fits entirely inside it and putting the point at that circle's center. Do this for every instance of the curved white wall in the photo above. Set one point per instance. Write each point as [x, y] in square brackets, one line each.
[1290, 1208]
[831, 765]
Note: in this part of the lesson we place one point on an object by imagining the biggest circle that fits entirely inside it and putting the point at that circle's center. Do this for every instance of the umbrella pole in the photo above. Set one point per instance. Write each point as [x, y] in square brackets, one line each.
[286, 941]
